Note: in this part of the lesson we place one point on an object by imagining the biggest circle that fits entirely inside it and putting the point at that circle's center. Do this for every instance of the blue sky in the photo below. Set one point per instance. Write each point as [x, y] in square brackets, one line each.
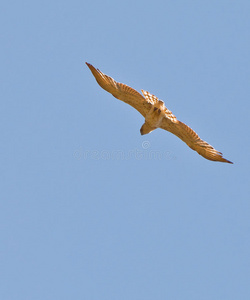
[90, 209]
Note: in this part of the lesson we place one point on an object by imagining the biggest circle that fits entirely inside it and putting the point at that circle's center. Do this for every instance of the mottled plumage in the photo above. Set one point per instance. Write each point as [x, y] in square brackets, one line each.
[156, 115]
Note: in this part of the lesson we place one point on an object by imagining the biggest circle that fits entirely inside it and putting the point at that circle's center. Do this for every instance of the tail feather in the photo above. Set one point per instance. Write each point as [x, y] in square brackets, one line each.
[146, 128]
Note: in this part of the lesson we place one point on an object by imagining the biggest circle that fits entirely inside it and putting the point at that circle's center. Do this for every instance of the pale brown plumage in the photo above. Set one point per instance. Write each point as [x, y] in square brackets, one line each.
[156, 115]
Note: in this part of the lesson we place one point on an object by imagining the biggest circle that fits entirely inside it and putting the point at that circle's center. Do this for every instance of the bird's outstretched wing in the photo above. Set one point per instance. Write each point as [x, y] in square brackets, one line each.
[191, 138]
[121, 91]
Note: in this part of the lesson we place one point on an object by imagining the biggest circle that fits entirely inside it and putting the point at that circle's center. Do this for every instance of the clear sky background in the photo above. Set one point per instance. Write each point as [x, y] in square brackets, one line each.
[90, 209]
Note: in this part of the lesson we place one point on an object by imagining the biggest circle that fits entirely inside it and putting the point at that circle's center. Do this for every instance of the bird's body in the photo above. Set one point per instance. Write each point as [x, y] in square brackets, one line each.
[156, 115]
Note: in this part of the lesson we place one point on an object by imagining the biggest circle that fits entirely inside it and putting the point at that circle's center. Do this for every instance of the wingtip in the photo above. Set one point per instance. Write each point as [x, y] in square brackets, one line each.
[227, 161]
[92, 68]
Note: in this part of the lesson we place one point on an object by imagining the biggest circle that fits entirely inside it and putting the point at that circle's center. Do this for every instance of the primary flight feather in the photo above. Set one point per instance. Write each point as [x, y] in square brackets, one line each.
[156, 115]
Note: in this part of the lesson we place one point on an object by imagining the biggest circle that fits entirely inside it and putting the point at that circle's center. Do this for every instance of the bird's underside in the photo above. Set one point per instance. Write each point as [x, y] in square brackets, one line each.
[156, 115]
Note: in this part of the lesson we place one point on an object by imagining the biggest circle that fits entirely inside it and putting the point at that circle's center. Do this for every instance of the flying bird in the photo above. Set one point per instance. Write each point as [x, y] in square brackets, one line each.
[156, 115]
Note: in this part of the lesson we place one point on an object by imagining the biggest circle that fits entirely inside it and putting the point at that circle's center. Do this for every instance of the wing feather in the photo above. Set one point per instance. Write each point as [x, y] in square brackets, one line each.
[121, 91]
[191, 138]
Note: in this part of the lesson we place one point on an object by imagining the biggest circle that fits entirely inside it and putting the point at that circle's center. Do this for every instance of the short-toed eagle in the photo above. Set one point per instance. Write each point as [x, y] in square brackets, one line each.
[156, 115]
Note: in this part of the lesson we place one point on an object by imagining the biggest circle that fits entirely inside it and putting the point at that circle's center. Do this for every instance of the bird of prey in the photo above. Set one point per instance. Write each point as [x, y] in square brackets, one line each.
[156, 115]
